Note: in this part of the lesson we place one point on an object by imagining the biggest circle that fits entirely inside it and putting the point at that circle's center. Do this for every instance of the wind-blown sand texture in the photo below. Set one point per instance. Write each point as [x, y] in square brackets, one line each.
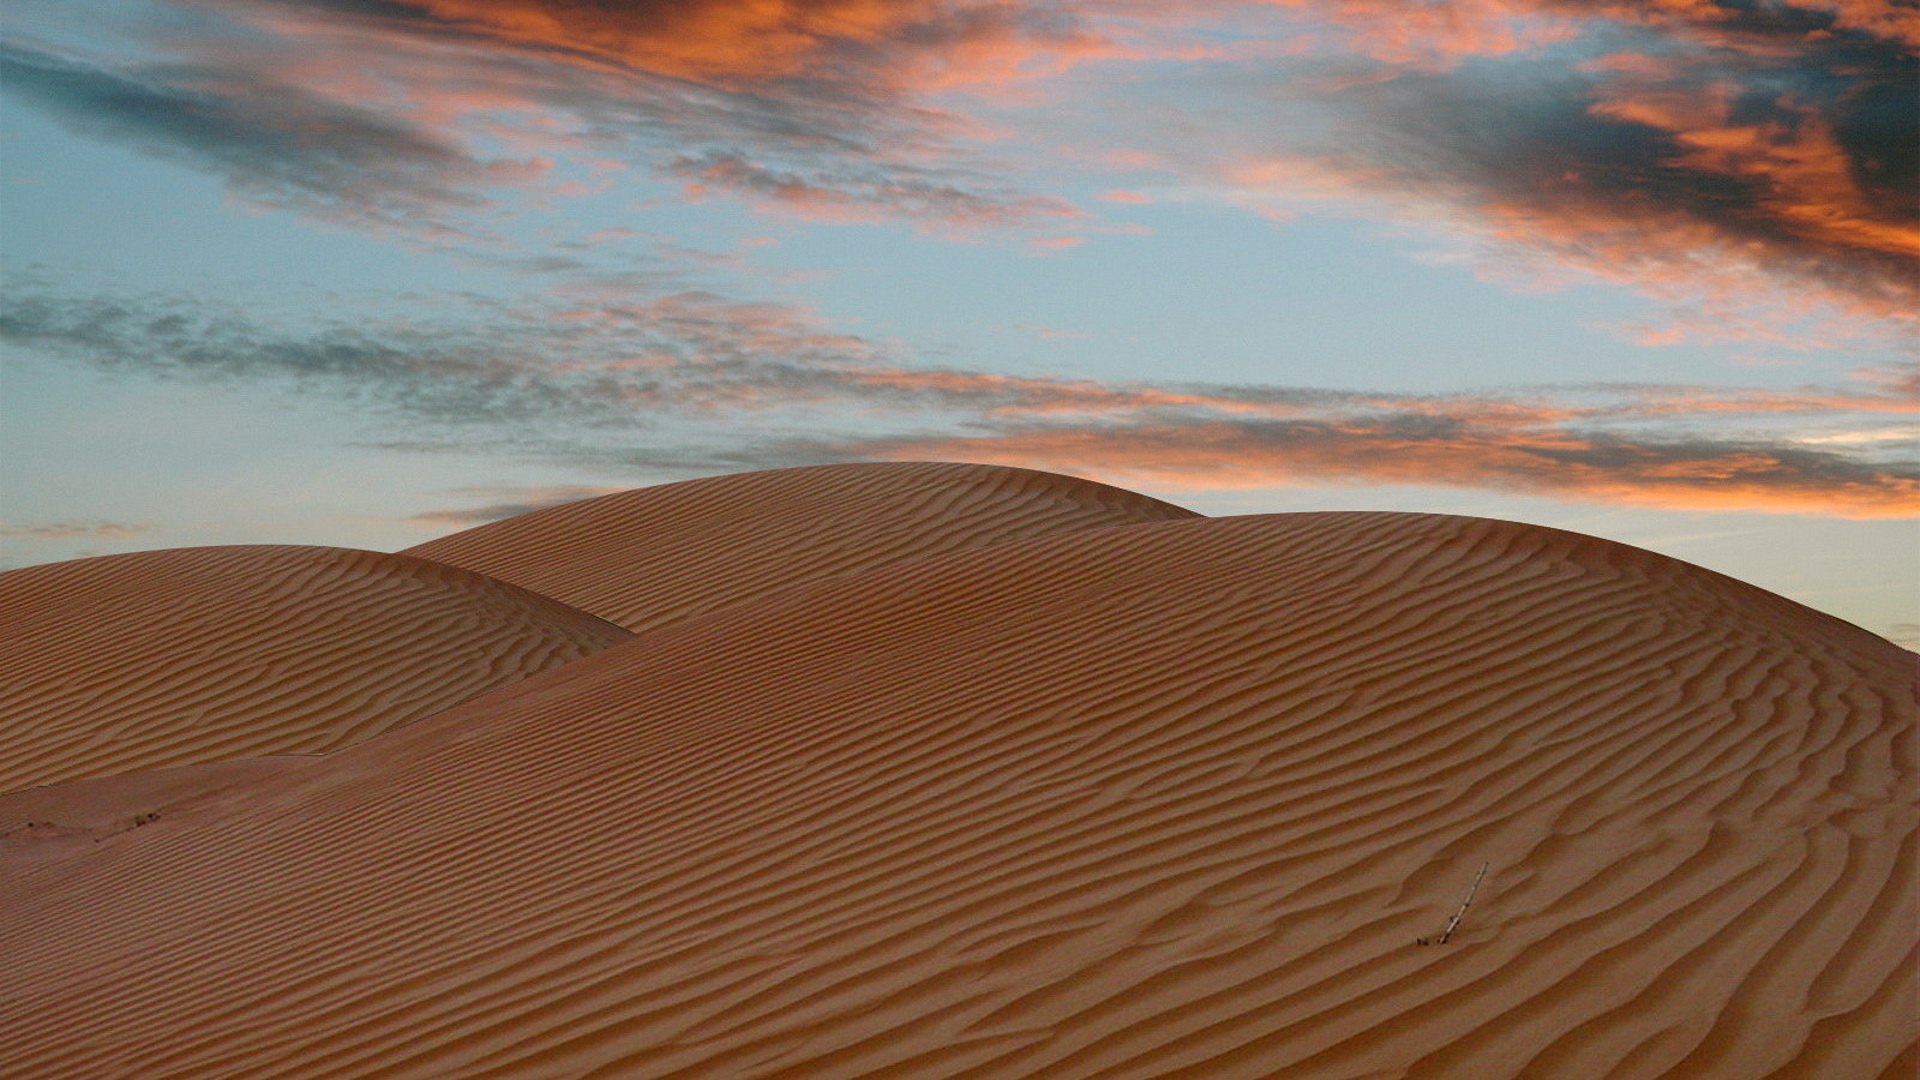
[654, 556]
[167, 658]
[1165, 799]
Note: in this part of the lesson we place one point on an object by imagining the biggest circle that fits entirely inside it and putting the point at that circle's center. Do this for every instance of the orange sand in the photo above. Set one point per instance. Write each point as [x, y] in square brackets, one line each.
[174, 657]
[1173, 798]
[658, 555]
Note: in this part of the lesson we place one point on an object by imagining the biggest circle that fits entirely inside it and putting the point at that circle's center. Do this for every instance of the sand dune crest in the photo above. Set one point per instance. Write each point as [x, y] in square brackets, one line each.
[170, 658]
[654, 556]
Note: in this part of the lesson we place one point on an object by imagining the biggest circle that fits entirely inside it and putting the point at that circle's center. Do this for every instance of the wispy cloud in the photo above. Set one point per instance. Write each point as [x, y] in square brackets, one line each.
[815, 108]
[873, 45]
[68, 530]
[1670, 472]
[604, 377]
[271, 141]
[870, 193]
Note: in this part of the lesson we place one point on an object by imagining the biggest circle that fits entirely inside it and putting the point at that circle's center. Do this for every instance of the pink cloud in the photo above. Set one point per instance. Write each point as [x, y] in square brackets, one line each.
[1207, 456]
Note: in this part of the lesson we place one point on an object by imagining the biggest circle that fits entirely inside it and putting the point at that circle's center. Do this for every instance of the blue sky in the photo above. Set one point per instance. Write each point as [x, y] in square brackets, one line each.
[361, 271]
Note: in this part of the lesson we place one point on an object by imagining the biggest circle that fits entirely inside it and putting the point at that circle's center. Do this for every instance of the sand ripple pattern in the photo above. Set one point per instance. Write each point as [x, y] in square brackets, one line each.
[1170, 799]
[169, 658]
[654, 556]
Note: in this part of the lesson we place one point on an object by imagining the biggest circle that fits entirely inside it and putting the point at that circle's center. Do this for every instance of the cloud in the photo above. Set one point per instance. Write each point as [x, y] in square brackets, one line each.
[868, 193]
[1751, 166]
[1445, 35]
[271, 141]
[811, 107]
[1680, 474]
[67, 530]
[601, 376]
[377, 111]
[603, 356]
[739, 42]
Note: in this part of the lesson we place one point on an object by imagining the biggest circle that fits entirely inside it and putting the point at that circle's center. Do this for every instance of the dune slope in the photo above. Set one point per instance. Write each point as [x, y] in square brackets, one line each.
[170, 658]
[657, 555]
[1171, 799]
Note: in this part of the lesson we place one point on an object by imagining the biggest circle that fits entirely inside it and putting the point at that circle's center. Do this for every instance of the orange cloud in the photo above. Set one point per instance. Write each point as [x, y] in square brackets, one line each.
[1232, 456]
[1749, 217]
[821, 109]
[1614, 444]
[1440, 33]
[741, 43]
[1789, 157]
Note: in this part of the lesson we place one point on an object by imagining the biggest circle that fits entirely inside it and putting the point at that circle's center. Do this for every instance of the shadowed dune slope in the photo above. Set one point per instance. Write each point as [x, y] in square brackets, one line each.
[1160, 800]
[191, 655]
[657, 555]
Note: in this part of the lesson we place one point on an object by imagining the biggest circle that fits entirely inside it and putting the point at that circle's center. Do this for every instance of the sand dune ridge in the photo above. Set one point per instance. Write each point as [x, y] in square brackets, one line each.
[652, 556]
[168, 658]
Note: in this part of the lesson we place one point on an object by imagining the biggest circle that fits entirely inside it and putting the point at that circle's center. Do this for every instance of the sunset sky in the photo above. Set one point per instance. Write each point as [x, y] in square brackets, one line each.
[362, 272]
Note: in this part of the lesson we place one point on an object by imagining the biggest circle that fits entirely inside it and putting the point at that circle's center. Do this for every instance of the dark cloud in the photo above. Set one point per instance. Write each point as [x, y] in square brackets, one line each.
[569, 361]
[1876, 121]
[1679, 147]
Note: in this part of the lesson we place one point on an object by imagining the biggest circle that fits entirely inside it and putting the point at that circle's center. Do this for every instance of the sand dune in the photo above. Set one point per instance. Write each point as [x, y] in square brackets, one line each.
[658, 555]
[1167, 799]
[175, 657]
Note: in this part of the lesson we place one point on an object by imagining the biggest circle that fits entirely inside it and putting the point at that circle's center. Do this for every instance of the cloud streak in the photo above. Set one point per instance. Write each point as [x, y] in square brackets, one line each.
[271, 141]
[67, 530]
[1667, 473]
[691, 379]
[881, 45]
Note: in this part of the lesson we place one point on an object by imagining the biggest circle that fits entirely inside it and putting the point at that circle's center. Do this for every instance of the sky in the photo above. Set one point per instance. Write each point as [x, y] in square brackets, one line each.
[364, 272]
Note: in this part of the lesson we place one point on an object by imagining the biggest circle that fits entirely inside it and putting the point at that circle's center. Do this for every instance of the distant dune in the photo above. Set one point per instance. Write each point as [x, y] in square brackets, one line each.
[177, 657]
[1106, 797]
[658, 555]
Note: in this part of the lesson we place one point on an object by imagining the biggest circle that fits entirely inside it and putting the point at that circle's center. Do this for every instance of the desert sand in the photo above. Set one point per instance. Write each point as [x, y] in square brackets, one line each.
[177, 657]
[937, 771]
[653, 556]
